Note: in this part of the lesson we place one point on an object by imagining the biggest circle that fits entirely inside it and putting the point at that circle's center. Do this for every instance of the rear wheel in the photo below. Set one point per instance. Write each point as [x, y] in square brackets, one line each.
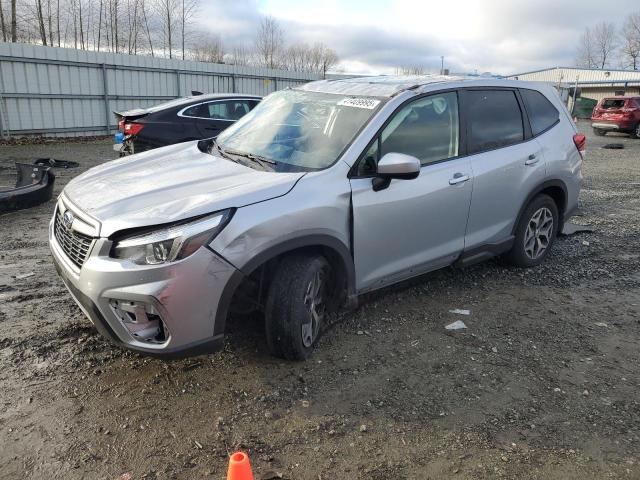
[599, 132]
[535, 233]
[296, 305]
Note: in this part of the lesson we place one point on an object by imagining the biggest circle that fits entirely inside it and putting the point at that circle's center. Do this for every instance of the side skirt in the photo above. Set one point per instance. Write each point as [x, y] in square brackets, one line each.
[484, 252]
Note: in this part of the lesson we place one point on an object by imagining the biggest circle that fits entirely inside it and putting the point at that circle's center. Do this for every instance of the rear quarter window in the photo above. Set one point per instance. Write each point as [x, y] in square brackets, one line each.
[541, 112]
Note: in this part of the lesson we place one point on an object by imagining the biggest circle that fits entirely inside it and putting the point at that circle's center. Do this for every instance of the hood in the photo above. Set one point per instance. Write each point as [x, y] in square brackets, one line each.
[170, 184]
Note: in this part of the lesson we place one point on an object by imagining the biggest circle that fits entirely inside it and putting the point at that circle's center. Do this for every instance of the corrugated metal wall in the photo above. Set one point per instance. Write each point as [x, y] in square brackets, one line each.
[595, 83]
[582, 75]
[67, 92]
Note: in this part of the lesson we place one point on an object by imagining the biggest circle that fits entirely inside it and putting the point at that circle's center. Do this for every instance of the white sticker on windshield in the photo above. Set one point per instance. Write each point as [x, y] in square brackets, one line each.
[368, 103]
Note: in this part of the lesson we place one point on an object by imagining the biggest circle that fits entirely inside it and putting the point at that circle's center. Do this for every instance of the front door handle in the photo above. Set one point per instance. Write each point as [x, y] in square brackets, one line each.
[459, 178]
[532, 160]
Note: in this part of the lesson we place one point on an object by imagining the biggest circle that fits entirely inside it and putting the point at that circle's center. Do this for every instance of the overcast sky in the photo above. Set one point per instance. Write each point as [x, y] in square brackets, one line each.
[375, 36]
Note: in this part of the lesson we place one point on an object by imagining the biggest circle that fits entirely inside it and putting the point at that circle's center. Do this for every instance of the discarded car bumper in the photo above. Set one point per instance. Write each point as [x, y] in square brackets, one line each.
[34, 185]
[165, 310]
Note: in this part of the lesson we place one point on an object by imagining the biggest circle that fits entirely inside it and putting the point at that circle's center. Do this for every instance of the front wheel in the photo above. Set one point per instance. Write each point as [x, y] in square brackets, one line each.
[636, 132]
[296, 305]
[535, 232]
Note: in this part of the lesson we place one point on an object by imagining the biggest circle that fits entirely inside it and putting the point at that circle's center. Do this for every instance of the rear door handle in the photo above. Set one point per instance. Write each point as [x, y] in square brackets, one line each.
[532, 160]
[458, 178]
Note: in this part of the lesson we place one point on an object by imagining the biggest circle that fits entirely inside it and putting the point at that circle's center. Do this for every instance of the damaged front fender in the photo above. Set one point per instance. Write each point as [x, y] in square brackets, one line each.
[34, 185]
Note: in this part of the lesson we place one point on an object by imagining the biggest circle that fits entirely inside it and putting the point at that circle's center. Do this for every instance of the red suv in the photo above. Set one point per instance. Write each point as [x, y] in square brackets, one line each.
[617, 114]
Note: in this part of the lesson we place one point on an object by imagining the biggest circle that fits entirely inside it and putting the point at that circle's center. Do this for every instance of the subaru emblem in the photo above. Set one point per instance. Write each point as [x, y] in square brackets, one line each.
[67, 219]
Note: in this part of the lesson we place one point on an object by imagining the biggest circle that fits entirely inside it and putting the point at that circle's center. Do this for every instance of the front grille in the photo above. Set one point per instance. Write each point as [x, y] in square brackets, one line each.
[76, 245]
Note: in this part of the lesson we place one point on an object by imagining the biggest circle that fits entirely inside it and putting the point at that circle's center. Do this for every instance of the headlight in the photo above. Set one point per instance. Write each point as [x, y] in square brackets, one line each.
[170, 243]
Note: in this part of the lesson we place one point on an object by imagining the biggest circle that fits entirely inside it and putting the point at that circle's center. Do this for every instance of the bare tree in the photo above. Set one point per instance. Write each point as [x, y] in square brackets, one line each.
[41, 25]
[604, 38]
[240, 55]
[188, 10]
[325, 58]
[303, 58]
[586, 50]
[147, 29]
[269, 42]
[167, 11]
[209, 50]
[58, 19]
[14, 22]
[5, 33]
[631, 41]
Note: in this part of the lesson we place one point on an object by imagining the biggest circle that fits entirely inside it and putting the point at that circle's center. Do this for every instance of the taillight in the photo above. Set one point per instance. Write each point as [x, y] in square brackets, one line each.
[132, 128]
[121, 125]
[580, 141]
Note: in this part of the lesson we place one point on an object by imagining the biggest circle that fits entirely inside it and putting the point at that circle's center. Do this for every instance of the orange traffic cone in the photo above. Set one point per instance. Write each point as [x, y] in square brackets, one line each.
[239, 467]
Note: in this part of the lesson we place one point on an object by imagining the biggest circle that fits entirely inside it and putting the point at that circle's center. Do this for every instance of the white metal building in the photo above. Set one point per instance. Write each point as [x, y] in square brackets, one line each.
[594, 83]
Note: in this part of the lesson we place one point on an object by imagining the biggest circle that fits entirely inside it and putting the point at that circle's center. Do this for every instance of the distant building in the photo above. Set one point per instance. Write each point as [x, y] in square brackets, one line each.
[593, 83]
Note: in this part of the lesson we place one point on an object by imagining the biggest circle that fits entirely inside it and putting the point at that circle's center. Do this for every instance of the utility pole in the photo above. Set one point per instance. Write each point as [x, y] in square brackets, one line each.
[442, 65]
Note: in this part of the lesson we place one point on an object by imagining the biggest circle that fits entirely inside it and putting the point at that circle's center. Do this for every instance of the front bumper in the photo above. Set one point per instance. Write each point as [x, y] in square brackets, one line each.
[190, 297]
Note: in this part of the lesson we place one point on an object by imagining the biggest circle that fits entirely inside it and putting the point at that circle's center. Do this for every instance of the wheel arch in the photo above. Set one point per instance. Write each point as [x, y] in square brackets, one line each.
[557, 190]
[336, 252]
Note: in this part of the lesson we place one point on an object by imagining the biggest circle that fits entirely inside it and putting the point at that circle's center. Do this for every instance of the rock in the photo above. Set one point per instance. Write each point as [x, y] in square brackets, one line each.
[363, 428]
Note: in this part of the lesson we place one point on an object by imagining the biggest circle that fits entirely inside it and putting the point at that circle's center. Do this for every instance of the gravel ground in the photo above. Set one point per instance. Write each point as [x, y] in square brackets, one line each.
[543, 384]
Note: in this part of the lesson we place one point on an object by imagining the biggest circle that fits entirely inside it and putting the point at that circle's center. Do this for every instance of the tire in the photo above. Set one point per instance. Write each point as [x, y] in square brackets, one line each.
[524, 253]
[636, 132]
[296, 305]
[599, 132]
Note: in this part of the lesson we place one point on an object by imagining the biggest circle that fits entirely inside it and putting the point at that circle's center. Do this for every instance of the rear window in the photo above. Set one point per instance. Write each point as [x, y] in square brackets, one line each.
[542, 114]
[613, 103]
[494, 119]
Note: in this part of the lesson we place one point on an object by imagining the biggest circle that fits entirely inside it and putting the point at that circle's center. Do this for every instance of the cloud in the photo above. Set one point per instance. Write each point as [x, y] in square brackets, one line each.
[502, 36]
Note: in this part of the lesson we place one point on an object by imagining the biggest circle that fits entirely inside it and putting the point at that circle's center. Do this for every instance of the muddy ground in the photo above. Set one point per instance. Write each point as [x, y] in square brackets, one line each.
[544, 383]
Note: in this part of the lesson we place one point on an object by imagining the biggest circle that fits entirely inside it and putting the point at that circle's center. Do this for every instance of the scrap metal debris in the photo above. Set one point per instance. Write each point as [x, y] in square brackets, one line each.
[457, 325]
[55, 163]
[460, 311]
[33, 186]
[571, 228]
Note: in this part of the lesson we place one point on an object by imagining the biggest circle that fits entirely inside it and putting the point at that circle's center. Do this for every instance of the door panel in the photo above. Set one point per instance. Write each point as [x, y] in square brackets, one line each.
[502, 180]
[507, 171]
[418, 225]
[412, 227]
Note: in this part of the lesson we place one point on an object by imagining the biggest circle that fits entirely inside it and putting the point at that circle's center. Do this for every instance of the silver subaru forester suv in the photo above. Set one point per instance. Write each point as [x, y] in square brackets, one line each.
[323, 192]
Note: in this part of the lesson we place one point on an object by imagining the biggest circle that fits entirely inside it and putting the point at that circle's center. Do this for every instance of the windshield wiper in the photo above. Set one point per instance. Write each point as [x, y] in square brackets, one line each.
[222, 152]
[259, 159]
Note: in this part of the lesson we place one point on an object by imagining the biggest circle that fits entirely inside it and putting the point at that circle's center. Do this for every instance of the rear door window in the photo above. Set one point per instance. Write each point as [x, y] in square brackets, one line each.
[542, 114]
[227, 110]
[612, 103]
[493, 119]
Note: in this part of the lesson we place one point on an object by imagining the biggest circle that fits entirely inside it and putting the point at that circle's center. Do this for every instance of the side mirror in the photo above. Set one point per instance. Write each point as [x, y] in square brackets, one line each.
[395, 165]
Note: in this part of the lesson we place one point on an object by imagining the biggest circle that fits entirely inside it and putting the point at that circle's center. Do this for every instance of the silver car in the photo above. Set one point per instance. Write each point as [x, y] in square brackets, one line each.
[321, 193]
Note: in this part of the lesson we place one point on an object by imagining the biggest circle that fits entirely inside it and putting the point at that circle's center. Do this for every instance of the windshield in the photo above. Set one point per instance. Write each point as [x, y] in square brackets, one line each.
[299, 130]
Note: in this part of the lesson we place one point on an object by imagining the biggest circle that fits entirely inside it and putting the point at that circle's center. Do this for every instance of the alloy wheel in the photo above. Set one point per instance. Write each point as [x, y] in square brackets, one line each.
[314, 300]
[539, 233]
